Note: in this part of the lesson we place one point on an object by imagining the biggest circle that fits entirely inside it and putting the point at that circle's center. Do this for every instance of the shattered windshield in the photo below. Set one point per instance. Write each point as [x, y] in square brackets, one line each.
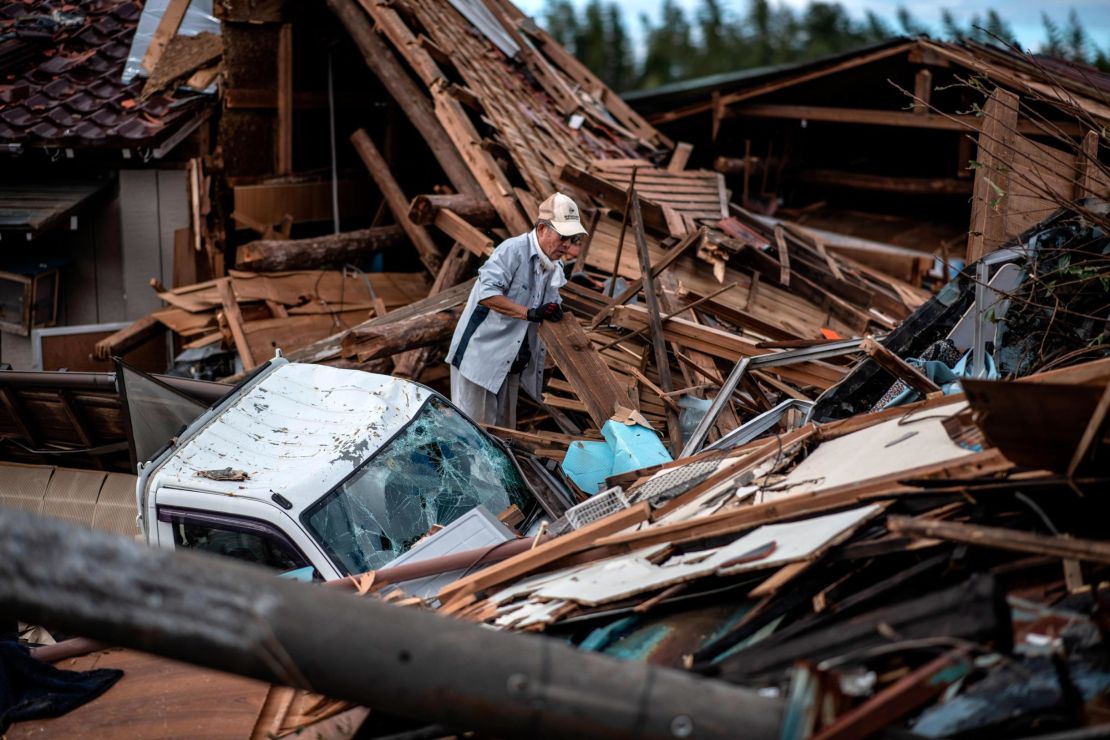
[435, 470]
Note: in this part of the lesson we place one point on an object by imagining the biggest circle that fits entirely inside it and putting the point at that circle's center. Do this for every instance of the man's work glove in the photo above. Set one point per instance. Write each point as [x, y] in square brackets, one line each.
[546, 312]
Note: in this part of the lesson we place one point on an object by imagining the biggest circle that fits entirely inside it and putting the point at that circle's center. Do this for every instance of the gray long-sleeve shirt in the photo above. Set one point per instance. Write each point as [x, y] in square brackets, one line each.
[485, 342]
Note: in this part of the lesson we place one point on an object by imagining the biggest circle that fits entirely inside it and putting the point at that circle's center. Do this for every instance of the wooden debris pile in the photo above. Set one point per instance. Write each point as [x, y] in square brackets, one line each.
[515, 118]
[254, 313]
[891, 570]
[674, 286]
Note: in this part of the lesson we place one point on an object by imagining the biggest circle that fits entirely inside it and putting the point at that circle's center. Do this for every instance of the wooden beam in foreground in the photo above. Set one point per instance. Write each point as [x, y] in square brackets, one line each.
[1002, 538]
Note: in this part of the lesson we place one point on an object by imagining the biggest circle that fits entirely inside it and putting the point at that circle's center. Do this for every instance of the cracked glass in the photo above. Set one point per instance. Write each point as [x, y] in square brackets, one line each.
[436, 469]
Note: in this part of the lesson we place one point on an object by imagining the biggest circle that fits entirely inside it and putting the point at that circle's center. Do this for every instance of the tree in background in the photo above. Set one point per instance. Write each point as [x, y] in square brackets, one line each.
[715, 40]
[597, 37]
[669, 51]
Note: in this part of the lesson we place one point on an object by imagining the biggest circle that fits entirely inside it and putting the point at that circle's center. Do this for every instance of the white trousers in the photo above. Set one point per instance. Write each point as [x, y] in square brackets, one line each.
[482, 406]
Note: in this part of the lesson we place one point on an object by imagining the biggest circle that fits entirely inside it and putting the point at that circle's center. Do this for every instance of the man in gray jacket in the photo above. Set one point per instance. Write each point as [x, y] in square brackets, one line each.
[496, 347]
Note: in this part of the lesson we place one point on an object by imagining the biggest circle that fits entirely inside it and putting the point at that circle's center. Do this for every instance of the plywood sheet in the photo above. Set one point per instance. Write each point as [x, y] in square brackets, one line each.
[898, 444]
[626, 576]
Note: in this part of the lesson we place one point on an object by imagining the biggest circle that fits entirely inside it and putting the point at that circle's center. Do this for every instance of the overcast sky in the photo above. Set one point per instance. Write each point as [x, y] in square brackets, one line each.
[1024, 16]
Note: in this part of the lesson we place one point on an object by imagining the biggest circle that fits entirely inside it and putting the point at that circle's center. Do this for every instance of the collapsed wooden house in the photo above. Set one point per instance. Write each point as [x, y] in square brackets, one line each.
[883, 143]
[502, 121]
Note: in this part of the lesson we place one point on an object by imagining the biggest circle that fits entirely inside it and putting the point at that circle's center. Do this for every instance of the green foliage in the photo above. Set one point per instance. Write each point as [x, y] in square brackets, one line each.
[718, 36]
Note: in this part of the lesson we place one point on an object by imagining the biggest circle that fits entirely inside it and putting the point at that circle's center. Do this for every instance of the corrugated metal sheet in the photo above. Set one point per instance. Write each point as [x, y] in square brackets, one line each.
[72, 495]
[478, 14]
[115, 509]
[23, 486]
[90, 498]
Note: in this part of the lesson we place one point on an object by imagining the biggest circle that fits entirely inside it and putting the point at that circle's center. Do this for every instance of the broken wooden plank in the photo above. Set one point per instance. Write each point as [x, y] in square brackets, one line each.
[728, 346]
[784, 256]
[613, 196]
[329, 347]
[680, 157]
[544, 554]
[397, 81]
[127, 338]
[476, 211]
[459, 229]
[651, 298]
[902, 697]
[369, 342]
[172, 15]
[595, 383]
[1003, 538]
[990, 200]
[898, 367]
[1091, 433]
[634, 287]
[235, 323]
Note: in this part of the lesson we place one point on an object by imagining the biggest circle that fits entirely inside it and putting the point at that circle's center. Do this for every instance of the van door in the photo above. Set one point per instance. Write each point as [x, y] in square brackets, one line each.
[241, 528]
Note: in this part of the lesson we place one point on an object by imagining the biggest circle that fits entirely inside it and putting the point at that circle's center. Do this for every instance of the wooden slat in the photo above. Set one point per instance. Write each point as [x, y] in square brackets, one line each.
[285, 100]
[990, 200]
[727, 346]
[459, 229]
[680, 157]
[651, 298]
[1003, 538]
[235, 322]
[573, 354]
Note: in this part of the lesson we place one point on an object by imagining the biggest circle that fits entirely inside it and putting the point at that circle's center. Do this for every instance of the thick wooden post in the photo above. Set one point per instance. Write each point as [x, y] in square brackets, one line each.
[990, 200]
[285, 100]
[272, 255]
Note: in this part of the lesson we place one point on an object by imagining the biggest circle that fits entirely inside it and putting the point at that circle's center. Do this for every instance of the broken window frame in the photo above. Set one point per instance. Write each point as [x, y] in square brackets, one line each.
[31, 289]
[435, 398]
[175, 515]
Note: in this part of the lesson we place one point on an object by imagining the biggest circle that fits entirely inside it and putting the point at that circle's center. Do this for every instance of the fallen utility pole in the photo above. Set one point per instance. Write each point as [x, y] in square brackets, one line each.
[233, 617]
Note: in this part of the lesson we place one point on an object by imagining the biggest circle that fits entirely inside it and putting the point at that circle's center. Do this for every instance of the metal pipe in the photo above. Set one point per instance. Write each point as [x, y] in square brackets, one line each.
[462, 560]
[331, 135]
[202, 390]
[214, 612]
[771, 359]
[727, 388]
[978, 359]
[757, 425]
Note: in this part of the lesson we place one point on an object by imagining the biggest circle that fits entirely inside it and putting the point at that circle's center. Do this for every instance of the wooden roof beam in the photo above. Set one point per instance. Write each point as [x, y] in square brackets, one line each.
[874, 117]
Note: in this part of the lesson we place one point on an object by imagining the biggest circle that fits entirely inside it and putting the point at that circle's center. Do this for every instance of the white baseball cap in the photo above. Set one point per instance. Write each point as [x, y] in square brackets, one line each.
[562, 213]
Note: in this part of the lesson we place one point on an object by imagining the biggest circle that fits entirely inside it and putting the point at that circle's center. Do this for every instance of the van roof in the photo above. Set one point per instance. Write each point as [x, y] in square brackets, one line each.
[298, 431]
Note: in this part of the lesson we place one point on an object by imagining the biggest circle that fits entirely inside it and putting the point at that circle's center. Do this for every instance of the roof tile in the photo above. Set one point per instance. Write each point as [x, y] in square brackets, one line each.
[18, 116]
[66, 88]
